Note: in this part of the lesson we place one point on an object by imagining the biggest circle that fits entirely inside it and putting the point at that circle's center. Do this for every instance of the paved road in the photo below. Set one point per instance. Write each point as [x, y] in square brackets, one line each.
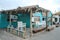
[52, 35]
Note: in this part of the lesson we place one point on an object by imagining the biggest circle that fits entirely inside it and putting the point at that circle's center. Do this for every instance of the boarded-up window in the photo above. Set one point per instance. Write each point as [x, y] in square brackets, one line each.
[37, 18]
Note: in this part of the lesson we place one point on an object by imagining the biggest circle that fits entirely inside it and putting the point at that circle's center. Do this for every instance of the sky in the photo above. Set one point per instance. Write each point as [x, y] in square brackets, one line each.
[52, 5]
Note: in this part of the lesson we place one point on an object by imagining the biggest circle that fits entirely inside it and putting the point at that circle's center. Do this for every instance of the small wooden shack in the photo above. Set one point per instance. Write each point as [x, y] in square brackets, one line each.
[29, 15]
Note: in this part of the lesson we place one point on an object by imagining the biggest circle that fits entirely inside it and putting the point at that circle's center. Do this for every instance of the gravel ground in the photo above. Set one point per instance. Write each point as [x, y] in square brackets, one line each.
[52, 35]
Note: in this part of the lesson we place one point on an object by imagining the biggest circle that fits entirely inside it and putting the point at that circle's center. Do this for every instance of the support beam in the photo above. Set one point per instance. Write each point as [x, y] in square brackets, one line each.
[10, 18]
[46, 21]
[31, 33]
[51, 20]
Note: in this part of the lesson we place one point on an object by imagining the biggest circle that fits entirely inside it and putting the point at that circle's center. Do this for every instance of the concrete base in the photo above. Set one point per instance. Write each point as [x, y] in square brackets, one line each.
[50, 28]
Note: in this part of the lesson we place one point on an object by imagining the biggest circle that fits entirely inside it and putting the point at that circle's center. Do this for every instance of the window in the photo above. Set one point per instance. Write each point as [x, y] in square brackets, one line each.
[36, 19]
[59, 19]
[13, 18]
[43, 19]
[55, 19]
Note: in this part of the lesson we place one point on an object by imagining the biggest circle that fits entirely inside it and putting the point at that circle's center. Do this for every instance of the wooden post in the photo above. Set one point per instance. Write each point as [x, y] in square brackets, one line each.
[46, 21]
[10, 22]
[7, 29]
[10, 19]
[31, 23]
[24, 33]
[51, 20]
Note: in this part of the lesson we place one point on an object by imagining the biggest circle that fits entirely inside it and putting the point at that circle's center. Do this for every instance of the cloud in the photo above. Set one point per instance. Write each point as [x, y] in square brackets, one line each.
[0, 8]
[47, 4]
[10, 4]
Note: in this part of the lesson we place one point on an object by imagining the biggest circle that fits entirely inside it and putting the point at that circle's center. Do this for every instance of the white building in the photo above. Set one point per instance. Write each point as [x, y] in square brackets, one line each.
[56, 18]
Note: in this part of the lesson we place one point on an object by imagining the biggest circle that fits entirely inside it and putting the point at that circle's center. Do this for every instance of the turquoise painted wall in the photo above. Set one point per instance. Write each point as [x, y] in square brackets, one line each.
[38, 14]
[0, 19]
[50, 15]
[14, 24]
[25, 18]
[3, 21]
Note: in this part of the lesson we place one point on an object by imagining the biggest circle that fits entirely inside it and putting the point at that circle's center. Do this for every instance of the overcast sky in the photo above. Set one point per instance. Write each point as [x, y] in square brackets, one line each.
[53, 5]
